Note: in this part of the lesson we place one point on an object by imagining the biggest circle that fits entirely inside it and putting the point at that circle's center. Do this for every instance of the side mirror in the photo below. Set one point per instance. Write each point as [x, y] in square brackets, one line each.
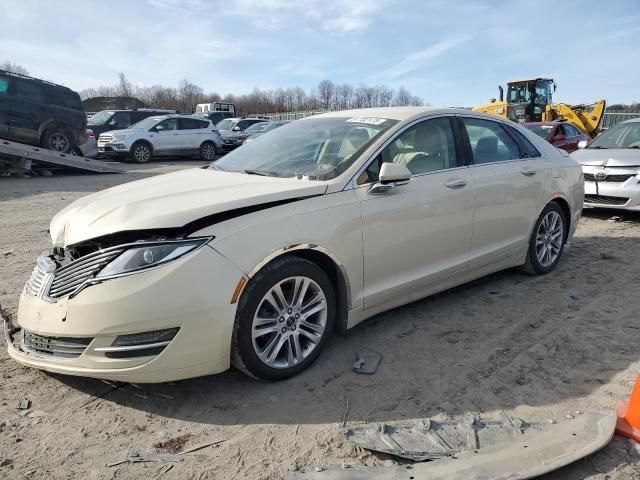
[237, 129]
[582, 144]
[391, 175]
[558, 138]
[158, 128]
[112, 123]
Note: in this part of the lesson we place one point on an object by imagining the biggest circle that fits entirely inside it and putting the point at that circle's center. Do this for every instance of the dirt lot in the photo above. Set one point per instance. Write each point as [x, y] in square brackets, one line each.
[537, 347]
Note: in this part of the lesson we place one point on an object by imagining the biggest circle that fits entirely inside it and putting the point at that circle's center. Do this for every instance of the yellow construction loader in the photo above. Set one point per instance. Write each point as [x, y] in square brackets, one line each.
[530, 101]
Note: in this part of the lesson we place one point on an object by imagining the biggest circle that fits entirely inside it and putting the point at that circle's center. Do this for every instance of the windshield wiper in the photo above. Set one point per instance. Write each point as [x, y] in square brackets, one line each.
[600, 148]
[256, 172]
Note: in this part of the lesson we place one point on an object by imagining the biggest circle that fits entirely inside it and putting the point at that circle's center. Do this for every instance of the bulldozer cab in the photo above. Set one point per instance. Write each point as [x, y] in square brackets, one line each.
[527, 100]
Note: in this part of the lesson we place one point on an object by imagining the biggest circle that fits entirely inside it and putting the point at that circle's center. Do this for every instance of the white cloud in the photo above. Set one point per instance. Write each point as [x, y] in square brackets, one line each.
[301, 70]
[418, 59]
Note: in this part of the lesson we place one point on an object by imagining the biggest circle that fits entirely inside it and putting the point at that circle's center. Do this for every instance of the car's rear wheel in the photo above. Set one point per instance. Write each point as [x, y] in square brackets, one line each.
[208, 151]
[141, 152]
[57, 140]
[547, 241]
[76, 152]
[284, 318]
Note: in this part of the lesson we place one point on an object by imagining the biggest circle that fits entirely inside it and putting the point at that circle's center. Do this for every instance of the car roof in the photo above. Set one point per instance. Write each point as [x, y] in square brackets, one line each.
[539, 124]
[402, 113]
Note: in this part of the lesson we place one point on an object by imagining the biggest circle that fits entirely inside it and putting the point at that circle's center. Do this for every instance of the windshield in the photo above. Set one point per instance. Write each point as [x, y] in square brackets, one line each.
[147, 123]
[540, 130]
[101, 118]
[623, 135]
[318, 148]
[225, 124]
[259, 127]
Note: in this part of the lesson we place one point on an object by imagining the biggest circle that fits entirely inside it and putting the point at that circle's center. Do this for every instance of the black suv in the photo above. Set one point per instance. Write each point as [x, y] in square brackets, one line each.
[40, 113]
[216, 117]
[108, 120]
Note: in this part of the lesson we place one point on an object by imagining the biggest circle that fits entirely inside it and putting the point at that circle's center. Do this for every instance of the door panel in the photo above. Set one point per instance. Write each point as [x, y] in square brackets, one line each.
[507, 191]
[167, 141]
[416, 233]
[5, 105]
[28, 111]
[189, 132]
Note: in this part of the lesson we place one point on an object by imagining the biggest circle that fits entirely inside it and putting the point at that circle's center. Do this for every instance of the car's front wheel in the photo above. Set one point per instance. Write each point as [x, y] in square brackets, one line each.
[208, 151]
[547, 240]
[284, 318]
[141, 152]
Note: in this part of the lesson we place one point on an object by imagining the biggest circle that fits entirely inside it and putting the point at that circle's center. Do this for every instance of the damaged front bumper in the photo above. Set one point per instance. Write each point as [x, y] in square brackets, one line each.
[167, 323]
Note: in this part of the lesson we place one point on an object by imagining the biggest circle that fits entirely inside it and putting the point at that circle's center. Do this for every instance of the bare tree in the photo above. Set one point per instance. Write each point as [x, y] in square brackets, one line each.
[403, 97]
[189, 95]
[124, 88]
[13, 67]
[326, 93]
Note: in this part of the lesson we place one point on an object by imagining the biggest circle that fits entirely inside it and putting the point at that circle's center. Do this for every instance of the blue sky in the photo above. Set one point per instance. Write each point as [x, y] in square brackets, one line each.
[449, 52]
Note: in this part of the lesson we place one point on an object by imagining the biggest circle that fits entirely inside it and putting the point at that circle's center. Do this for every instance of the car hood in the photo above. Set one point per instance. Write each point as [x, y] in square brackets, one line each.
[171, 201]
[232, 134]
[609, 157]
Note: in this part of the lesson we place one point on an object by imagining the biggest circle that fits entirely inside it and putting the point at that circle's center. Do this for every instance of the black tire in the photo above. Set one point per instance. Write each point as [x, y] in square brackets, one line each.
[533, 265]
[140, 152]
[76, 152]
[243, 354]
[208, 152]
[58, 140]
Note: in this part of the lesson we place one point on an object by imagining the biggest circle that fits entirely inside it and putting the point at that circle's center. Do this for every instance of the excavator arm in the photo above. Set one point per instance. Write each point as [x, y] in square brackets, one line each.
[587, 117]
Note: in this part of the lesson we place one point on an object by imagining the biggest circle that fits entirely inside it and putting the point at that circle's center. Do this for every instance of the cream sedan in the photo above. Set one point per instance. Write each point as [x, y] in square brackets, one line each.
[311, 228]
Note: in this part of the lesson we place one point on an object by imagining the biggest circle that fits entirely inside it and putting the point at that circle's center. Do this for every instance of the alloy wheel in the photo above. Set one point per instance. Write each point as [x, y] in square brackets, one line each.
[208, 152]
[141, 153]
[289, 322]
[549, 238]
[58, 142]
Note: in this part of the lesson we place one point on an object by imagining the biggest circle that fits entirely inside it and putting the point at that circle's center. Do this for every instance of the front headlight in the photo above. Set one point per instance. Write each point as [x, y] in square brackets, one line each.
[120, 136]
[137, 258]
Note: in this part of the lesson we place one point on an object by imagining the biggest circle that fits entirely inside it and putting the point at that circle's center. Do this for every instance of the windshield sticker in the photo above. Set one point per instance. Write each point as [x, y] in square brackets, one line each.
[368, 120]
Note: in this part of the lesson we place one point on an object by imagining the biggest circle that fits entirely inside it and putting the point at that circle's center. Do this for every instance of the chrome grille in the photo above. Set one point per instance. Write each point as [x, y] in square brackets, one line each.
[73, 275]
[61, 347]
[104, 139]
[589, 177]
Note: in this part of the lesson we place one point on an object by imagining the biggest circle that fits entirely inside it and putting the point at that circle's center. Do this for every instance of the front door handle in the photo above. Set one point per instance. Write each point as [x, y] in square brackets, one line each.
[528, 171]
[459, 183]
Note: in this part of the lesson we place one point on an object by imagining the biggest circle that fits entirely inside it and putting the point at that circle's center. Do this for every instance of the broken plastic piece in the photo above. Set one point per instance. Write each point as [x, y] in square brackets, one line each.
[24, 404]
[535, 452]
[367, 362]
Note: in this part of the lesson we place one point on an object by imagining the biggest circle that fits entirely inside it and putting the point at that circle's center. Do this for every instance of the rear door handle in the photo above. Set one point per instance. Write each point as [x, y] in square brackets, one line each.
[528, 171]
[459, 183]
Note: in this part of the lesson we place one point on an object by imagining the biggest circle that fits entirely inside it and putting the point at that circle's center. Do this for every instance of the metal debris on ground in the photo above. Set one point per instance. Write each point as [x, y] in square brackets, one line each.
[367, 362]
[24, 404]
[201, 446]
[8, 252]
[475, 449]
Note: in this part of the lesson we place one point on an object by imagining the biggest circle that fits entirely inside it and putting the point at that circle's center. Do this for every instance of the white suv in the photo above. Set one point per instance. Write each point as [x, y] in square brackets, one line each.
[163, 135]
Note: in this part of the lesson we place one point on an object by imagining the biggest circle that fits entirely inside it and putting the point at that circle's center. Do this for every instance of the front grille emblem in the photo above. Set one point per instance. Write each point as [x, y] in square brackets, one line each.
[600, 176]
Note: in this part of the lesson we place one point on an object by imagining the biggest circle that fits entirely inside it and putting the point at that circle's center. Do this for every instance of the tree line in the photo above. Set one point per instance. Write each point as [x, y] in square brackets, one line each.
[326, 96]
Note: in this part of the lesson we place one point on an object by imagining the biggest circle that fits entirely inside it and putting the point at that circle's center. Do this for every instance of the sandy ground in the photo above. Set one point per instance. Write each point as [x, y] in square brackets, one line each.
[537, 347]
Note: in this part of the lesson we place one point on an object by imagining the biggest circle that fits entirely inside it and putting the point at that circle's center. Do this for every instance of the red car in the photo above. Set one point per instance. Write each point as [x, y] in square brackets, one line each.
[562, 135]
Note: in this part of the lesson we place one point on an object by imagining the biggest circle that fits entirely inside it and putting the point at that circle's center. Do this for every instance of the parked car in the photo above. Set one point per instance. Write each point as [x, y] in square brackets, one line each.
[108, 120]
[161, 136]
[611, 166]
[321, 224]
[562, 135]
[216, 117]
[40, 113]
[88, 149]
[258, 129]
[233, 131]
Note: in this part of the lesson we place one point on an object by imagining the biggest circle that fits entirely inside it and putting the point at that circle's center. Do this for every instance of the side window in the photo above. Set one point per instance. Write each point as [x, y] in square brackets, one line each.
[490, 142]
[188, 124]
[64, 98]
[4, 85]
[169, 124]
[30, 91]
[203, 124]
[426, 147]
[526, 147]
[121, 119]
